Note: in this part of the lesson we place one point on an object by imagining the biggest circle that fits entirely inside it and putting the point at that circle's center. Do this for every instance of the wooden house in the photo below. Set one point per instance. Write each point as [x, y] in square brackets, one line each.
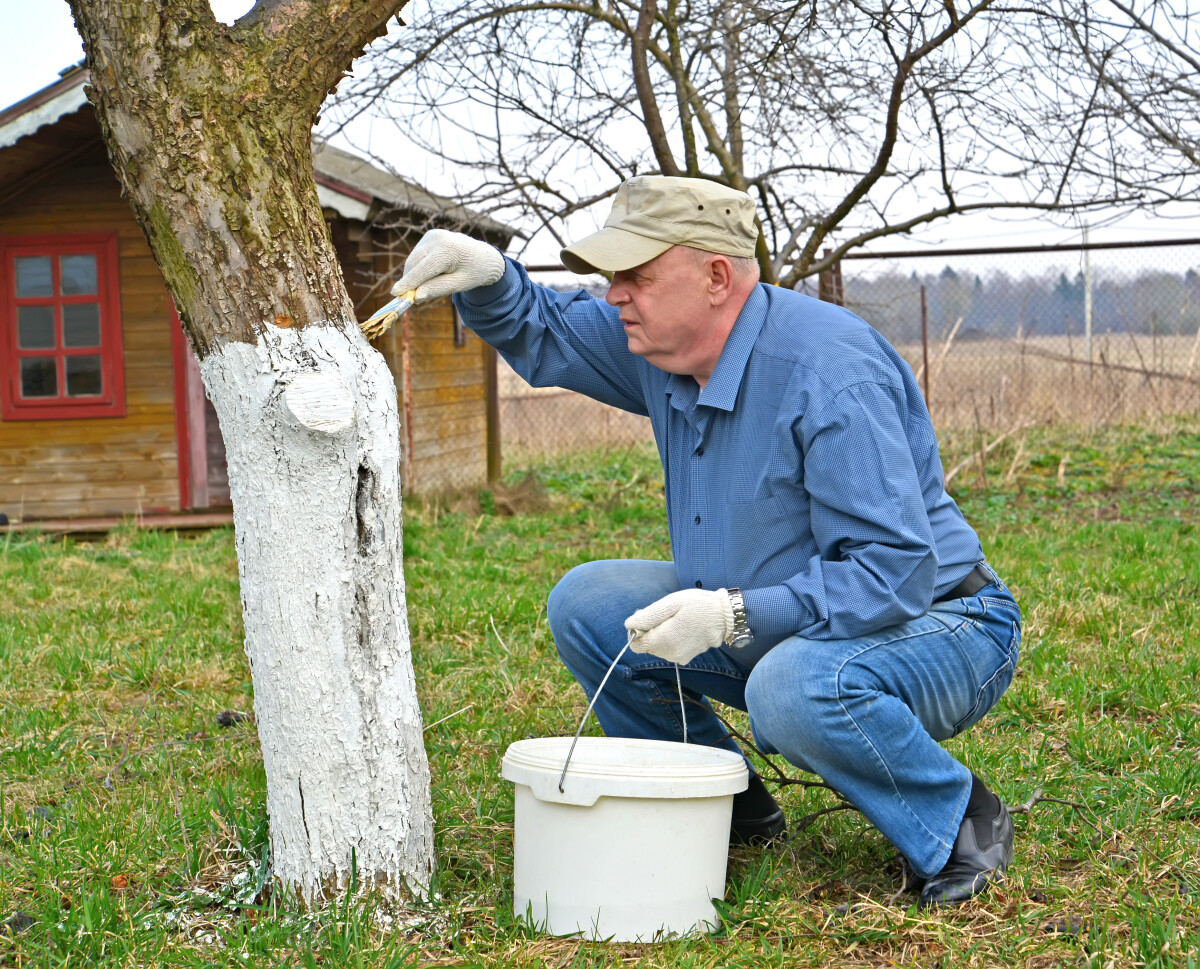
[101, 408]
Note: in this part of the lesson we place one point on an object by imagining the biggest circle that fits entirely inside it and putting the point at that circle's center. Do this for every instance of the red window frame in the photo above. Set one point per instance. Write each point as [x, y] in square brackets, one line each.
[110, 402]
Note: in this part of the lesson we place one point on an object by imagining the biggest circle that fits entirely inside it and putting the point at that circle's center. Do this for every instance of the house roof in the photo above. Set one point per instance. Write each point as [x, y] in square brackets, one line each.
[337, 169]
[349, 185]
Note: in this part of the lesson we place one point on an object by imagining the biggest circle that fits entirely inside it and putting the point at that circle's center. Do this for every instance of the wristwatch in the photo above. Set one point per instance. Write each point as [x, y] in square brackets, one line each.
[741, 636]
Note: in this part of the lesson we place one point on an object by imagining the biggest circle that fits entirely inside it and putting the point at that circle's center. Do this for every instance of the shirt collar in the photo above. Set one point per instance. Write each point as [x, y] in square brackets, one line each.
[722, 388]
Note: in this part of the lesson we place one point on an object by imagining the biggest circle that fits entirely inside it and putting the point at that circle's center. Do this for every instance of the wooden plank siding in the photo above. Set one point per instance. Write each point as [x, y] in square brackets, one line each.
[98, 466]
[448, 437]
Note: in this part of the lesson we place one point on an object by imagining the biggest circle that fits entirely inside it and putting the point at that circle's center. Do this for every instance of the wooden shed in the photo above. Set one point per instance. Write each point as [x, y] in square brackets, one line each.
[101, 407]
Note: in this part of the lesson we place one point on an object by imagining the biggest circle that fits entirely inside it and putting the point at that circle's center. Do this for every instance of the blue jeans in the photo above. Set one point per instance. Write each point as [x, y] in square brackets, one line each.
[864, 714]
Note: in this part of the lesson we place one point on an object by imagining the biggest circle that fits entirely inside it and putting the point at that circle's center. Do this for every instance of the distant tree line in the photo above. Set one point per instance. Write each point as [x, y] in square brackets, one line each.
[999, 304]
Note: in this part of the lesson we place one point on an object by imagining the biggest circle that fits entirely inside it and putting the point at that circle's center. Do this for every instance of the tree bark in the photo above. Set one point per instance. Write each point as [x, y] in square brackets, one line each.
[208, 128]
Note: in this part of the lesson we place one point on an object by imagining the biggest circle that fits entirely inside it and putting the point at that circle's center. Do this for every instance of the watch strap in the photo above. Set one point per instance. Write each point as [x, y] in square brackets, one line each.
[741, 635]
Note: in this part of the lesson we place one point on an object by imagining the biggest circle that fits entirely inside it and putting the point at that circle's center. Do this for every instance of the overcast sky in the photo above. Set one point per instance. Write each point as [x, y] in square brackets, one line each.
[38, 39]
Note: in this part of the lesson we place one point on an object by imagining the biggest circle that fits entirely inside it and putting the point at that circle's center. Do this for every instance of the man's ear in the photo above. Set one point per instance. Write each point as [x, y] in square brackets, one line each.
[720, 279]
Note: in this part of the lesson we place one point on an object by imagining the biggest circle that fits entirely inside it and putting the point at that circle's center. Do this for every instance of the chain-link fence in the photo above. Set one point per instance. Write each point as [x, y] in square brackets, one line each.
[998, 339]
[1001, 338]
[542, 422]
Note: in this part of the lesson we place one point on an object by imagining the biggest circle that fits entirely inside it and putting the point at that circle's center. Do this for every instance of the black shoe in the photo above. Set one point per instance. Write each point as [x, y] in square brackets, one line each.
[981, 853]
[757, 818]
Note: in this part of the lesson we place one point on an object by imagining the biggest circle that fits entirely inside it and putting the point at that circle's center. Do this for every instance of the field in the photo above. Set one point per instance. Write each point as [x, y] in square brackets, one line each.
[990, 385]
[1003, 384]
[132, 822]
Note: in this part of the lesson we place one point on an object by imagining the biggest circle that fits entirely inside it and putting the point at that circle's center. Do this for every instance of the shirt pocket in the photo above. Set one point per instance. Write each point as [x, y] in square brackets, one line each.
[761, 545]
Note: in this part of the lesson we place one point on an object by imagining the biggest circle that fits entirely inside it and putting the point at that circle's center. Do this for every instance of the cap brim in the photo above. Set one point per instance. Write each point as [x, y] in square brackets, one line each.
[611, 250]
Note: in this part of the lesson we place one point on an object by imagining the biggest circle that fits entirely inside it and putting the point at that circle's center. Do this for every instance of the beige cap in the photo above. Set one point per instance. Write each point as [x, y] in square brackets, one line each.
[651, 213]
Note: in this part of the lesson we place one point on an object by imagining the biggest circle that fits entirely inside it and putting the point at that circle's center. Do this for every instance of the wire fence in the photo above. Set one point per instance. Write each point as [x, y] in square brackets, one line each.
[999, 339]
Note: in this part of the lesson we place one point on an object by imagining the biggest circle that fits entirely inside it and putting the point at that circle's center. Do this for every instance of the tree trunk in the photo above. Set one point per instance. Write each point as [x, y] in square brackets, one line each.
[208, 130]
[311, 433]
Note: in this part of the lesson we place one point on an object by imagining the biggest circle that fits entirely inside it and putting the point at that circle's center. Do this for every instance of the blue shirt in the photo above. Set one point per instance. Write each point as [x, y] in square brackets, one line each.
[806, 471]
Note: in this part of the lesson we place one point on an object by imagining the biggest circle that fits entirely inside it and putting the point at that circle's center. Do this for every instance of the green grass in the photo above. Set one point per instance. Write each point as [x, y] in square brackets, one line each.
[132, 825]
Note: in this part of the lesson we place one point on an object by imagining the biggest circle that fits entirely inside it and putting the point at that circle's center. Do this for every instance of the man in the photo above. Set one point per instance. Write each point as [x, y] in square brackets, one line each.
[822, 579]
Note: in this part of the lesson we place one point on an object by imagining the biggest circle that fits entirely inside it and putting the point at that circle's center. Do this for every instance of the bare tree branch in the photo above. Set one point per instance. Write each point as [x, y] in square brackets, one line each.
[645, 90]
[849, 119]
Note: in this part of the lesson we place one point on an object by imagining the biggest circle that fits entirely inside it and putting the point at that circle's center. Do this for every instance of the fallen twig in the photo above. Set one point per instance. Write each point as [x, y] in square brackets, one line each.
[1037, 797]
[802, 823]
[780, 778]
[469, 706]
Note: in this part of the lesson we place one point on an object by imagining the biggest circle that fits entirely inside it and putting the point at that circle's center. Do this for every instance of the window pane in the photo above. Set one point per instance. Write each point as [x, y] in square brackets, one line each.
[83, 376]
[81, 324]
[77, 275]
[38, 377]
[33, 277]
[35, 327]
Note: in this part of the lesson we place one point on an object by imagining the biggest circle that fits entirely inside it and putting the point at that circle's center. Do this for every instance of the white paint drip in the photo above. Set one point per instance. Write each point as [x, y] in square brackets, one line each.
[319, 555]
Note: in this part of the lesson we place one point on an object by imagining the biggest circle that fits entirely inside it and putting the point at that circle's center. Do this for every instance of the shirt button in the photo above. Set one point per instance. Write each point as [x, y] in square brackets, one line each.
[697, 519]
[699, 452]
[699, 584]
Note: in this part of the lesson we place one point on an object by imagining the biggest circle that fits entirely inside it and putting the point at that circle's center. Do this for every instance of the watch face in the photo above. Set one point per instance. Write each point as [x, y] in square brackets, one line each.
[739, 641]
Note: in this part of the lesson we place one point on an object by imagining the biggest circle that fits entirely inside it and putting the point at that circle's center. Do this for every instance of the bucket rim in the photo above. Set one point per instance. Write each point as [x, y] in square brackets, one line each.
[699, 771]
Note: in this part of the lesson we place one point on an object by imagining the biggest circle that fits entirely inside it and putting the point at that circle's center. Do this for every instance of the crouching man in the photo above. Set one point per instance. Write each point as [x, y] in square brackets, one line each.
[822, 578]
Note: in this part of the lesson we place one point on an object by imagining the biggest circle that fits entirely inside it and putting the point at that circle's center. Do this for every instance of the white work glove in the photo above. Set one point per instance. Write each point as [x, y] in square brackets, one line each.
[682, 625]
[446, 262]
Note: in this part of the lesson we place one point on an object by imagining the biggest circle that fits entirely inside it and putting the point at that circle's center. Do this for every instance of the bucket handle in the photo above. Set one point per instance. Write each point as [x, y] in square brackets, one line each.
[596, 696]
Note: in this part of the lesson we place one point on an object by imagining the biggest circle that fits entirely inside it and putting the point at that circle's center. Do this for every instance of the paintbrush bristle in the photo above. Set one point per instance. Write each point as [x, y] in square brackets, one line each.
[386, 315]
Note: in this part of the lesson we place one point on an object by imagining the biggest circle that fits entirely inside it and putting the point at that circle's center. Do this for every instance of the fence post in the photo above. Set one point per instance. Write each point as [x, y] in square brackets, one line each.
[925, 350]
[492, 393]
[829, 282]
[1087, 300]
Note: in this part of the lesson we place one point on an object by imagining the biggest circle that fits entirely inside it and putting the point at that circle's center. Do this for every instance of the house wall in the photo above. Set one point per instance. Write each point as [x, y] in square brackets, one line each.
[98, 466]
[449, 441]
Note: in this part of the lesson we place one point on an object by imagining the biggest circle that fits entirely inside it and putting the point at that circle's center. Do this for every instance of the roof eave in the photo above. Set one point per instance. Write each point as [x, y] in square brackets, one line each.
[42, 108]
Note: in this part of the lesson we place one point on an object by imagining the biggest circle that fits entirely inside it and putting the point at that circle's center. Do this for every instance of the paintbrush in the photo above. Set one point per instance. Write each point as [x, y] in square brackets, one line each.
[386, 315]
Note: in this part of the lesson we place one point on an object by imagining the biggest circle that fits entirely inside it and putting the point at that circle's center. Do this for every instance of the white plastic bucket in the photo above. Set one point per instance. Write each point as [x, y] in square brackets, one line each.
[634, 848]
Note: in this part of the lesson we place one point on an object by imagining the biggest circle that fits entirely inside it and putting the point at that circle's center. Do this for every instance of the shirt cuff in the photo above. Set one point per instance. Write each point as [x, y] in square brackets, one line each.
[482, 295]
[773, 612]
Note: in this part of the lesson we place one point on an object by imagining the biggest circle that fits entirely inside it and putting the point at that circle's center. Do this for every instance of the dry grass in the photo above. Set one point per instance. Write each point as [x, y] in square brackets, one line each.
[991, 387]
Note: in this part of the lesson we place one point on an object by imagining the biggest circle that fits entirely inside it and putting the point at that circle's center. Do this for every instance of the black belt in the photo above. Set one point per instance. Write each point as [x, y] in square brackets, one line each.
[975, 580]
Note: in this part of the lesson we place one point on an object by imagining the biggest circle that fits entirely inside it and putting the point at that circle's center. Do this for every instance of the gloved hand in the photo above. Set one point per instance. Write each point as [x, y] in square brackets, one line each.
[682, 625]
[444, 262]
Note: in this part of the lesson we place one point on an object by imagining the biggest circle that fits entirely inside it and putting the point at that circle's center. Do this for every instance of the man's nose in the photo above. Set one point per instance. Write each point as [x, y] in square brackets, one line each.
[616, 295]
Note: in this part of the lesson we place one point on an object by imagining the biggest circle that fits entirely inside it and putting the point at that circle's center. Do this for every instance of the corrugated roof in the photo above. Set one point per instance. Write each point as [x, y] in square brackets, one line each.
[65, 96]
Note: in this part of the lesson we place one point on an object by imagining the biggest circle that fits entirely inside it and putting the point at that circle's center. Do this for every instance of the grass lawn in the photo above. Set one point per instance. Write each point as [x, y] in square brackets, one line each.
[132, 821]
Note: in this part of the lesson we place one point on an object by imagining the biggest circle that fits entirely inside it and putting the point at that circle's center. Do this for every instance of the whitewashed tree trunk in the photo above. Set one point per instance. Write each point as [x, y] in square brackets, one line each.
[311, 434]
[208, 130]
